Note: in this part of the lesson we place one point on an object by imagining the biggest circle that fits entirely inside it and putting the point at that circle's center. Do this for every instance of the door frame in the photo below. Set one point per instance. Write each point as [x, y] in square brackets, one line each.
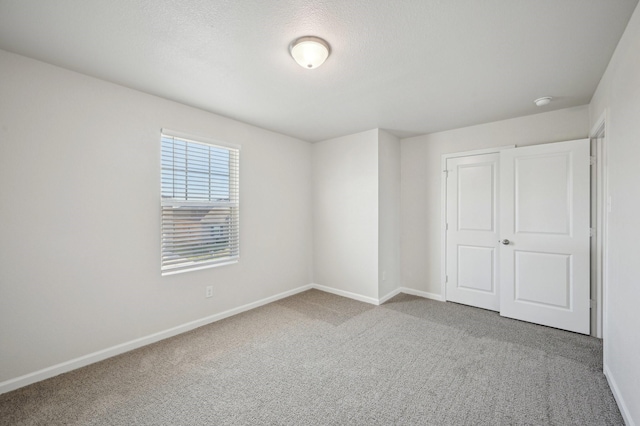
[443, 206]
[602, 205]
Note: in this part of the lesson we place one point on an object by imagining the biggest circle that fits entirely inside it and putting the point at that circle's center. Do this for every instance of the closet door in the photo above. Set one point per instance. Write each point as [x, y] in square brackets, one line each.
[472, 238]
[544, 234]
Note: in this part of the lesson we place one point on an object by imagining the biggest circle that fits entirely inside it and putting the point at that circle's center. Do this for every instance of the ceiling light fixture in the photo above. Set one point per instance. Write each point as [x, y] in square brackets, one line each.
[309, 52]
[543, 101]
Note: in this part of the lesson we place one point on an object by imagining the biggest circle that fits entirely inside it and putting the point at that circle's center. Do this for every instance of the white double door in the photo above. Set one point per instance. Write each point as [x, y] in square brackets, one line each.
[517, 237]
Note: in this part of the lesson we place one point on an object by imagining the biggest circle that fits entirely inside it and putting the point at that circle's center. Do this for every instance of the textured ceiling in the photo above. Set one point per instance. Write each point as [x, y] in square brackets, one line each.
[408, 66]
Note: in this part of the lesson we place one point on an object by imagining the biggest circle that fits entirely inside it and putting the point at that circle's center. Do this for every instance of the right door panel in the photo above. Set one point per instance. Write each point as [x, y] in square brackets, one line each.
[544, 228]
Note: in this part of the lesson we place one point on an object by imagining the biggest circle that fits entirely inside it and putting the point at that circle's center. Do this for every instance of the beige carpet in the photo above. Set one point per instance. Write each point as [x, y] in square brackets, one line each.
[316, 358]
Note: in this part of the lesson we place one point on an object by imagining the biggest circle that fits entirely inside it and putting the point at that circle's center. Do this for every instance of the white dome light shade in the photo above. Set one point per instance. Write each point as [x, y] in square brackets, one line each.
[309, 52]
[543, 101]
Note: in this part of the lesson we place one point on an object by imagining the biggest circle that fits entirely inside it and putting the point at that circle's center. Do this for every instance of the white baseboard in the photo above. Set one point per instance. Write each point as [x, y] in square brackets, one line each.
[383, 299]
[394, 293]
[91, 358]
[420, 293]
[347, 294]
[618, 397]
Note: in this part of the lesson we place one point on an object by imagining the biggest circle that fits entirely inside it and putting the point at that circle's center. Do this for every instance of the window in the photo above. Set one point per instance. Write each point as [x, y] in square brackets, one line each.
[200, 203]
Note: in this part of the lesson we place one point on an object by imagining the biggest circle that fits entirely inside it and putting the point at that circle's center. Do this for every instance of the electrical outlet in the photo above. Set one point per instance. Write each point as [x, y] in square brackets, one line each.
[208, 291]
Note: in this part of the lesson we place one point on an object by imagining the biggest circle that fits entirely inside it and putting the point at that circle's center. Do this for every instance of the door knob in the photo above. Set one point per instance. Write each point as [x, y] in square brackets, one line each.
[505, 242]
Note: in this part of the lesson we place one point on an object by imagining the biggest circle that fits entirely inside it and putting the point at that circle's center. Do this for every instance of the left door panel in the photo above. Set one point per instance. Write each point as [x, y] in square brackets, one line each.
[472, 237]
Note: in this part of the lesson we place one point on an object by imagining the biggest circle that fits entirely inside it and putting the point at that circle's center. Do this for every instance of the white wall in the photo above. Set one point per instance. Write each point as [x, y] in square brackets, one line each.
[389, 213]
[345, 213]
[80, 228]
[421, 179]
[618, 96]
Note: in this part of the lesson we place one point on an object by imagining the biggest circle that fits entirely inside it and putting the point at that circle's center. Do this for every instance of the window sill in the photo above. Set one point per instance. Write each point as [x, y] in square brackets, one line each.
[198, 267]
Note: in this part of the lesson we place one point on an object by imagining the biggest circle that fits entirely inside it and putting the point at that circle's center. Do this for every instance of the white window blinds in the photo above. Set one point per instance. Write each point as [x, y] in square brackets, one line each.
[200, 204]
